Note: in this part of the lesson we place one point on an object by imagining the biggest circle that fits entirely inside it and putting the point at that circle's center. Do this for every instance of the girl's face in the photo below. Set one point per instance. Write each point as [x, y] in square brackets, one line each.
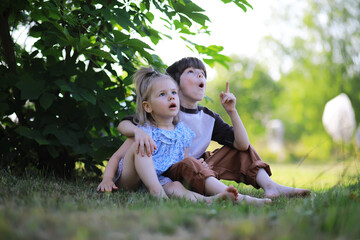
[163, 101]
[192, 86]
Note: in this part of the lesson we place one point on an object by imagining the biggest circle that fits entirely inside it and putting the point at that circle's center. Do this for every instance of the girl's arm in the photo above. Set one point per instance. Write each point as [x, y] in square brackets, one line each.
[228, 101]
[107, 184]
[144, 143]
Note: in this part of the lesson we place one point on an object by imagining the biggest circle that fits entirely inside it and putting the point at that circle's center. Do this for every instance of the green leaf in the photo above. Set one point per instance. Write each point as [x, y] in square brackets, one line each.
[150, 16]
[246, 3]
[51, 128]
[82, 149]
[106, 14]
[29, 87]
[32, 134]
[191, 10]
[122, 17]
[53, 14]
[185, 20]
[107, 109]
[99, 53]
[199, 18]
[241, 6]
[142, 7]
[88, 96]
[210, 62]
[38, 15]
[128, 81]
[64, 86]
[84, 42]
[119, 36]
[46, 100]
[67, 138]
[137, 44]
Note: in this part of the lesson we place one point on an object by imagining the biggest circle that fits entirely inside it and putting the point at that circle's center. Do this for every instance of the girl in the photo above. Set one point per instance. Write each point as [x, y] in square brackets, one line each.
[157, 113]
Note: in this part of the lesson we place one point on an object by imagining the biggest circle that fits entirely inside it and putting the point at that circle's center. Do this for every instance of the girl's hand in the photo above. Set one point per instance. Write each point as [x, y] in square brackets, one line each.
[228, 100]
[107, 185]
[145, 144]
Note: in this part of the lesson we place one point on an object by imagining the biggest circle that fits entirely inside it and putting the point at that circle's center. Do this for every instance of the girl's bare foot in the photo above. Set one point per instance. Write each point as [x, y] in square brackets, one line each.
[159, 194]
[284, 191]
[253, 200]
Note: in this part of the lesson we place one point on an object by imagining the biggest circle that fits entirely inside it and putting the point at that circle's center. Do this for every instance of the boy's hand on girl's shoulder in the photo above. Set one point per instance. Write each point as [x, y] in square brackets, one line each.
[203, 162]
[145, 144]
[107, 185]
[228, 100]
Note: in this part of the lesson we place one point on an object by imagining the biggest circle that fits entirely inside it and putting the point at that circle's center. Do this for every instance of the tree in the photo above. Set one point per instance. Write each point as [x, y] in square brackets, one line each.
[325, 63]
[61, 99]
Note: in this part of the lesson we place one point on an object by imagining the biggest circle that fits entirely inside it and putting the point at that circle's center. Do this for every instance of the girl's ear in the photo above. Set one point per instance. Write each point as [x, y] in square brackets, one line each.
[147, 106]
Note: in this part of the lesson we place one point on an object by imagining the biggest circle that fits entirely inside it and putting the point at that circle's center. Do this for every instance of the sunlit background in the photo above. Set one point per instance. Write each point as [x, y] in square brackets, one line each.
[289, 59]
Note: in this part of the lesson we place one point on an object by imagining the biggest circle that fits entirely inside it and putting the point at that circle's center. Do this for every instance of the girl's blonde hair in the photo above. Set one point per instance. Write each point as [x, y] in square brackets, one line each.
[144, 79]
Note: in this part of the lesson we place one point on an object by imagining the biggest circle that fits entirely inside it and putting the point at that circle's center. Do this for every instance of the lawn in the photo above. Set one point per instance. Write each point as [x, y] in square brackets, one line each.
[36, 207]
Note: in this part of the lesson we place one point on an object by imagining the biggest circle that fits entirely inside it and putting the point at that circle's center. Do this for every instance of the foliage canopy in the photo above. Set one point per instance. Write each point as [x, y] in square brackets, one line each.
[61, 98]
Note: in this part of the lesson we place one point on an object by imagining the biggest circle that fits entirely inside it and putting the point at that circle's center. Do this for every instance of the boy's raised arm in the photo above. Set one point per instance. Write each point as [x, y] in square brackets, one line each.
[228, 100]
[144, 143]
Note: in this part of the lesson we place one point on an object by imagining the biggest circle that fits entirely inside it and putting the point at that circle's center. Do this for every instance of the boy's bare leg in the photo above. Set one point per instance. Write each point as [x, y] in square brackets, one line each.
[136, 167]
[214, 186]
[275, 190]
[176, 189]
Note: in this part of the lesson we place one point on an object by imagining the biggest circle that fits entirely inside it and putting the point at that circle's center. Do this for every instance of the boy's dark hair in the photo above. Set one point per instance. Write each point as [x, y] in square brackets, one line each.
[177, 68]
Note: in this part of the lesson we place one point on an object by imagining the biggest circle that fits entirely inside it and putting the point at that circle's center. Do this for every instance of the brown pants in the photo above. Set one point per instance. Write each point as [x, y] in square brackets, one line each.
[224, 163]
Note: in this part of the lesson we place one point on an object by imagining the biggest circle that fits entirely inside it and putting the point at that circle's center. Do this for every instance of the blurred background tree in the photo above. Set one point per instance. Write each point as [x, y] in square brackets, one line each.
[321, 61]
[62, 97]
[254, 89]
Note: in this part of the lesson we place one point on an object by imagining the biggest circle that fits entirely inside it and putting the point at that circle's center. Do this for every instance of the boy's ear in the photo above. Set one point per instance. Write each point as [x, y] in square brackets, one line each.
[147, 106]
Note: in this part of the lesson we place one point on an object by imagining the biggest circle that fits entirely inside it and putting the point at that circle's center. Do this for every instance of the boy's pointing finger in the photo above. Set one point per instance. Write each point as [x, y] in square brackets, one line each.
[227, 87]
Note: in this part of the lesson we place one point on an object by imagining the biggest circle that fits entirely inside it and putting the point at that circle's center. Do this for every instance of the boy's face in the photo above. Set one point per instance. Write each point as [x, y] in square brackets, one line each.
[192, 86]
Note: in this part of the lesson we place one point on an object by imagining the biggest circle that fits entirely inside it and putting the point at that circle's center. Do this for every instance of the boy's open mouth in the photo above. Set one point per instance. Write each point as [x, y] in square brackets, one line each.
[172, 105]
[201, 85]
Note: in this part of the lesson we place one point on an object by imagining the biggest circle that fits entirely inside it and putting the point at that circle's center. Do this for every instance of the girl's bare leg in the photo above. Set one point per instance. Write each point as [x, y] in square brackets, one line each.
[137, 169]
[129, 178]
[145, 168]
[275, 190]
[176, 189]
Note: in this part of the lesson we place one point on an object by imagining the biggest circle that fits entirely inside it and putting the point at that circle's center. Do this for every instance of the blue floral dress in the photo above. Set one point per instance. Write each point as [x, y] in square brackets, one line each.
[170, 148]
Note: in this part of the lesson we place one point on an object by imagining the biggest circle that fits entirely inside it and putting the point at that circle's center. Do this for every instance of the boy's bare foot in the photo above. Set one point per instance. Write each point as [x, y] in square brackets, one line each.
[233, 190]
[284, 191]
[253, 200]
[230, 193]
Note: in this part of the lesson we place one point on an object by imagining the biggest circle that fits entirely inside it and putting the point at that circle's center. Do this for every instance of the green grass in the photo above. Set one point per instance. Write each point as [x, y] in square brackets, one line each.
[36, 207]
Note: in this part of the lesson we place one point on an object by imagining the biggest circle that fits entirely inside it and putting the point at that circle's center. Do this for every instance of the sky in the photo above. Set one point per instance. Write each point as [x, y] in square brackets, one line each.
[238, 32]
